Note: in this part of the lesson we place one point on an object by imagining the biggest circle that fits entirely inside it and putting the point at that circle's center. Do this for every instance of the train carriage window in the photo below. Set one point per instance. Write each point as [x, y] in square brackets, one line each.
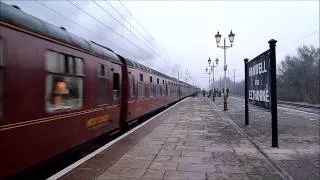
[79, 66]
[102, 84]
[70, 66]
[132, 86]
[1, 75]
[55, 62]
[64, 83]
[116, 87]
[141, 86]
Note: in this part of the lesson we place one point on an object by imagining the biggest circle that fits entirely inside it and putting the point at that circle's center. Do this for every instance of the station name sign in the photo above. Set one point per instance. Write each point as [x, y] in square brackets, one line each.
[259, 80]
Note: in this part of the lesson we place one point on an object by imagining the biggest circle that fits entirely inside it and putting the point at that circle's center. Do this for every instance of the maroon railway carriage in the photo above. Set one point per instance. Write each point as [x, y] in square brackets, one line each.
[58, 90]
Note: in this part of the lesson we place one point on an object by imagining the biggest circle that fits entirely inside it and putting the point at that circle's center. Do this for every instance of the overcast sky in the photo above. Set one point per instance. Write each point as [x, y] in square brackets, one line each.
[180, 34]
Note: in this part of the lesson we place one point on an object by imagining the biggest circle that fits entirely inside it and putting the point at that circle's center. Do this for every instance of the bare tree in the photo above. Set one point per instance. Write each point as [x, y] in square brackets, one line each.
[298, 78]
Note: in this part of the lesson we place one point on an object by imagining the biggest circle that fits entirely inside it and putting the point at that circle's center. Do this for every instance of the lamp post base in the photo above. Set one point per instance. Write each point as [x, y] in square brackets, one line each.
[225, 103]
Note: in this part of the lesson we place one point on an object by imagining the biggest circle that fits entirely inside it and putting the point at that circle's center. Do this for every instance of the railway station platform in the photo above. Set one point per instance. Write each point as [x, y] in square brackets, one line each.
[194, 139]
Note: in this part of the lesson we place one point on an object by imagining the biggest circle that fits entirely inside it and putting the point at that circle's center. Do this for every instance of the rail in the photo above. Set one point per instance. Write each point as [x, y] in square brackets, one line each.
[303, 105]
[296, 104]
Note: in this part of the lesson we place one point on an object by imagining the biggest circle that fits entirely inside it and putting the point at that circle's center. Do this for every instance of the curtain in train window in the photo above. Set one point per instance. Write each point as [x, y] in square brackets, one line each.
[102, 84]
[116, 87]
[64, 83]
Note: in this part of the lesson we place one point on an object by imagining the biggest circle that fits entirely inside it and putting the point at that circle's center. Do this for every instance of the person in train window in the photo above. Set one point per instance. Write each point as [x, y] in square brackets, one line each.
[60, 92]
[65, 93]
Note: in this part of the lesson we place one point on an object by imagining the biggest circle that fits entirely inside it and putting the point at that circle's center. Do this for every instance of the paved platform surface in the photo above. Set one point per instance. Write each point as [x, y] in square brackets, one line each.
[193, 140]
[299, 136]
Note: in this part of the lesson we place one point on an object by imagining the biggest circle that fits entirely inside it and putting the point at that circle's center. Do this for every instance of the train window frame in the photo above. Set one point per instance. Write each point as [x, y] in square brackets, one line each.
[2, 74]
[65, 84]
[102, 84]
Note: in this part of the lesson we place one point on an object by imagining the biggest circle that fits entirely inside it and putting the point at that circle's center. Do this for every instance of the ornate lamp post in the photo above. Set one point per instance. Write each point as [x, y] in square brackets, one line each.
[209, 72]
[211, 67]
[224, 47]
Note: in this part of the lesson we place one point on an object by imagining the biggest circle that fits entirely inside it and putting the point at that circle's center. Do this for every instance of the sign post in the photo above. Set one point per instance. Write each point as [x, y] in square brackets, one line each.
[246, 93]
[261, 86]
[274, 106]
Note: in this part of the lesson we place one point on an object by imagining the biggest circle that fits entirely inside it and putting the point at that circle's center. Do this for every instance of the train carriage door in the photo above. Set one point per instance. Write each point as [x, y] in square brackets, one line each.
[102, 84]
[116, 87]
[124, 93]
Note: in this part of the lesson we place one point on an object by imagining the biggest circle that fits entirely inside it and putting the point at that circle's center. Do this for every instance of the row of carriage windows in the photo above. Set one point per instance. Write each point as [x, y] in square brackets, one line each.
[65, 78]
[168, 88]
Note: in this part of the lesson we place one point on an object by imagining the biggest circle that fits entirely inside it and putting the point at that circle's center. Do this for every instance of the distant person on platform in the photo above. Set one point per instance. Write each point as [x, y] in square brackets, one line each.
[203, 93]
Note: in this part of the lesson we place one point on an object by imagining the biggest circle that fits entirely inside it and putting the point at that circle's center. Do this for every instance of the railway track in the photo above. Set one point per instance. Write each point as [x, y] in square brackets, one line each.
[295, 105]
[300, 105]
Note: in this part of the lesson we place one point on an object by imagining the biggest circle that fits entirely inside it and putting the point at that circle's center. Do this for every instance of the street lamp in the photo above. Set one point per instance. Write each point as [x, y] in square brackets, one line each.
[209, 72]
[224, 47]
[211, 68]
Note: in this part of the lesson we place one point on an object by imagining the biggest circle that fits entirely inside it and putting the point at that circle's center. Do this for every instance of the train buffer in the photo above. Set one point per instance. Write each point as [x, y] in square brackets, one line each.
[194, 139]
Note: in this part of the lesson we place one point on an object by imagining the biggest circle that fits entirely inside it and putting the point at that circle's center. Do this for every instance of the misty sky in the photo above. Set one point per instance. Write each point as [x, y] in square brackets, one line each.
[180, 34]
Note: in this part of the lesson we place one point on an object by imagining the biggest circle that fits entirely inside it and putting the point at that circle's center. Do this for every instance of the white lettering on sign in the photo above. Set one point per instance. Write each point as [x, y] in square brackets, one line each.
[257, 69]
[256, 82]
[259, 95]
